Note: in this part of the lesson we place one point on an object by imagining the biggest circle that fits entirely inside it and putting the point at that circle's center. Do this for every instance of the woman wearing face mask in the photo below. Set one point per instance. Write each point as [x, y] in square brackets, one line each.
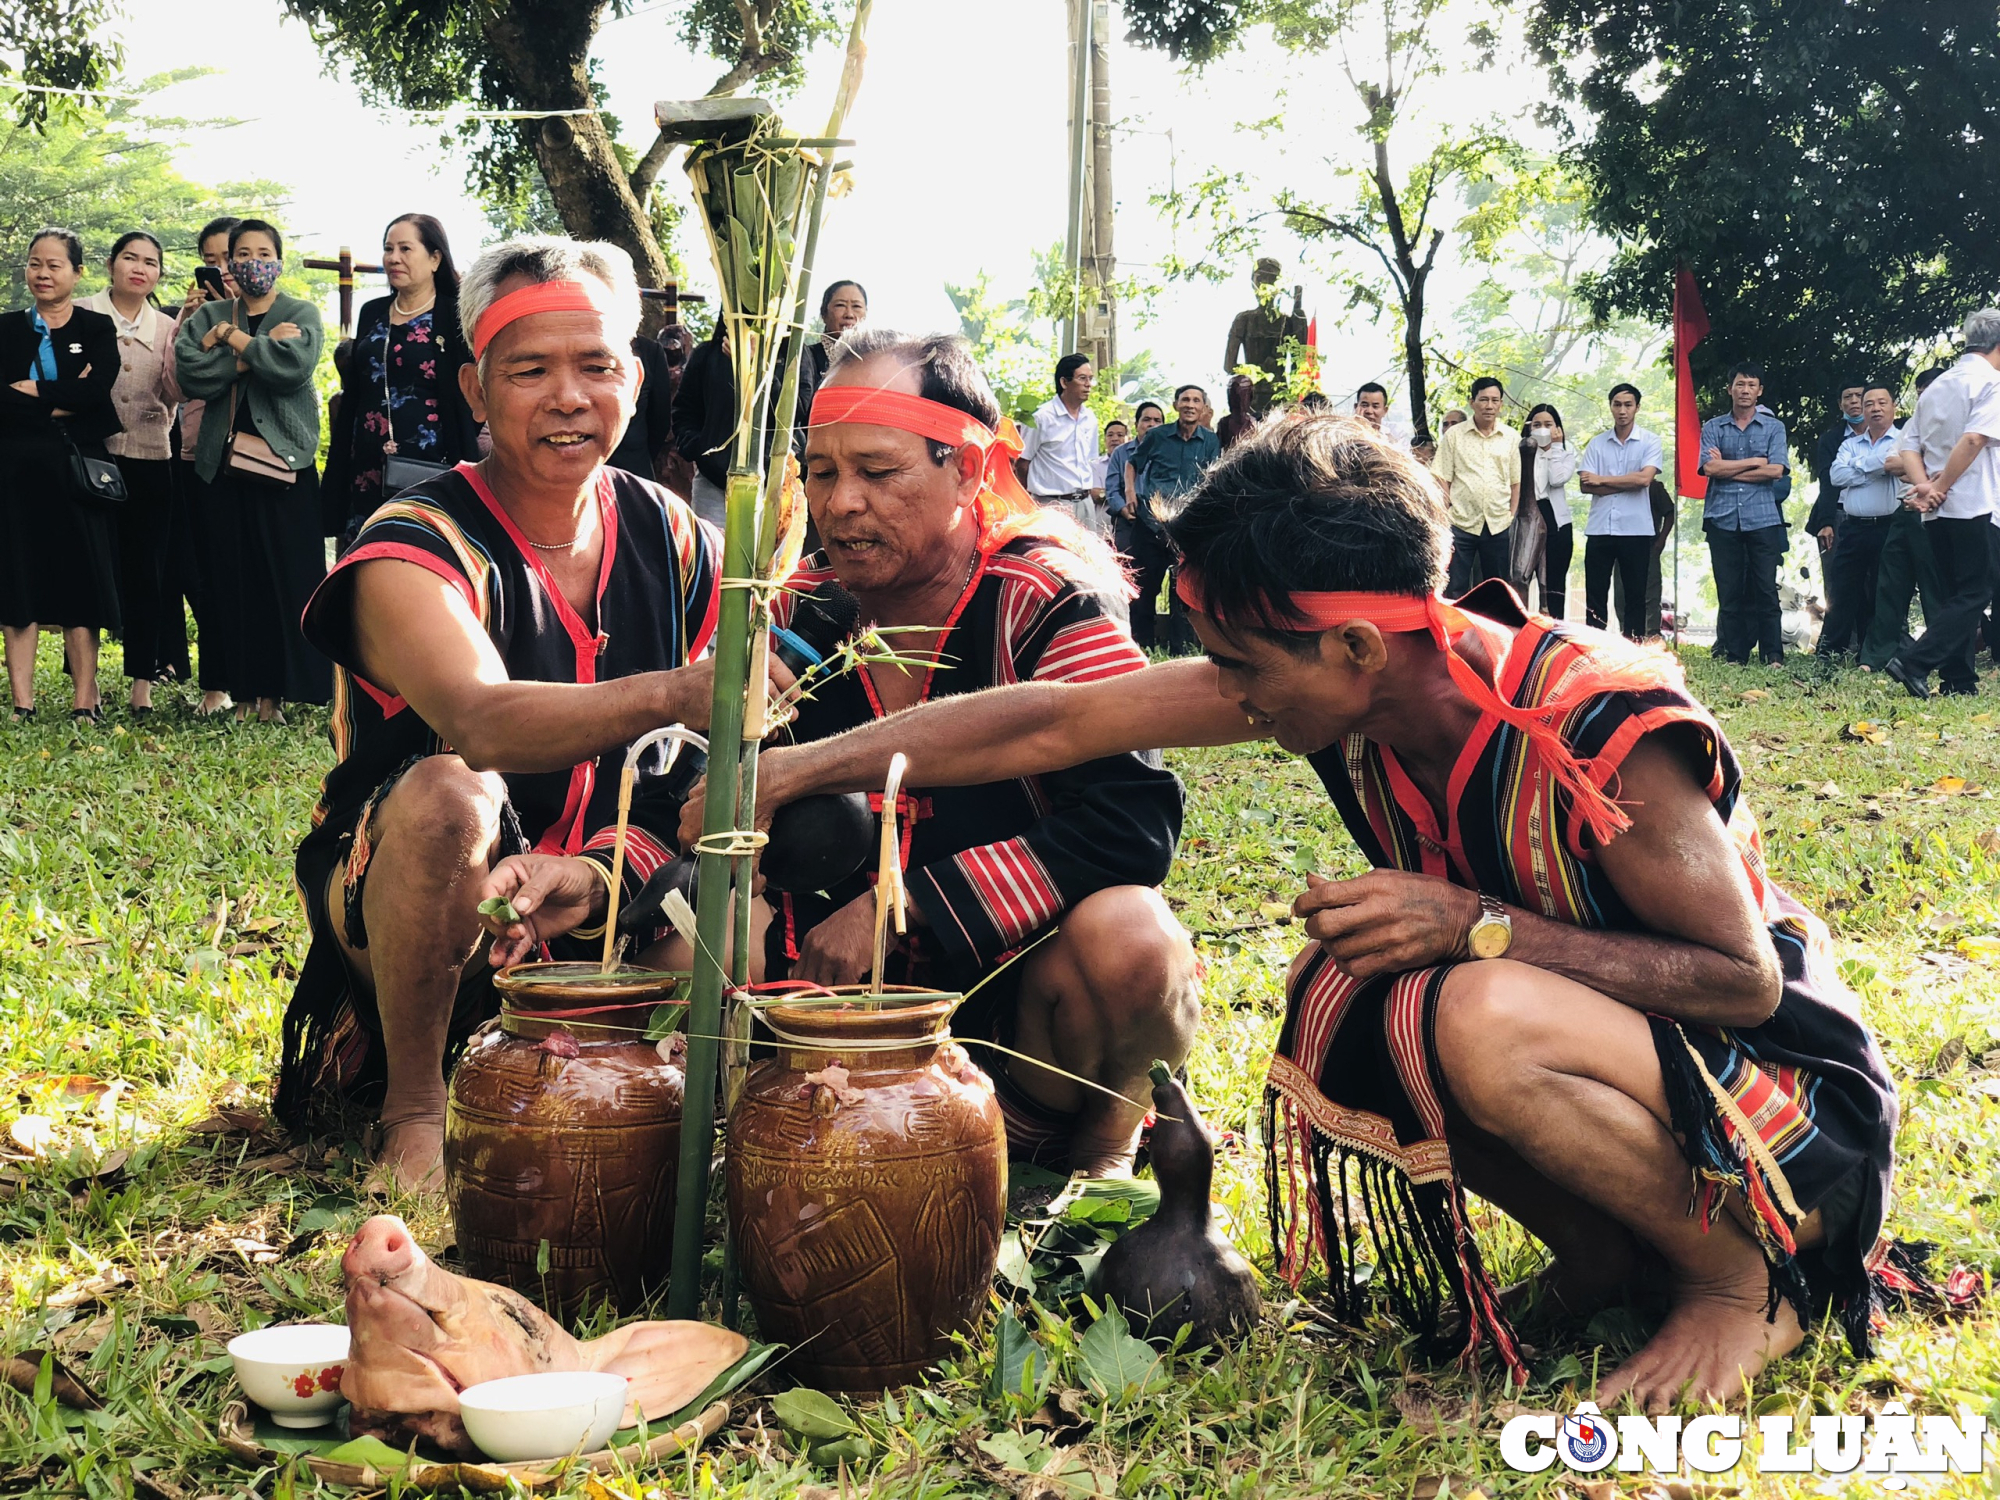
[251, 358]
[150, 520]
[1548, 455]
[400, 397]
[58, 363]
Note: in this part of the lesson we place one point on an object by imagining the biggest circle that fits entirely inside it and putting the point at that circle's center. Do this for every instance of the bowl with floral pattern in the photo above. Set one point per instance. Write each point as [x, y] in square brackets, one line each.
[293, 1370]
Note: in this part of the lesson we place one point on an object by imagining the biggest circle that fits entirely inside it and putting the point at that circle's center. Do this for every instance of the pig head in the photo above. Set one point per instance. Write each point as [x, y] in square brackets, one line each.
[420, 1335]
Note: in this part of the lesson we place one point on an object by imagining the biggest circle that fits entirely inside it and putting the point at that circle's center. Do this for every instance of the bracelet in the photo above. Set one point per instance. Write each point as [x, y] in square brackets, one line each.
[587, 933]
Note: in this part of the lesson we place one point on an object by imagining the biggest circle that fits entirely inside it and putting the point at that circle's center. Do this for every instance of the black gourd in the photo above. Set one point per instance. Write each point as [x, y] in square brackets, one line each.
[1176, 1270]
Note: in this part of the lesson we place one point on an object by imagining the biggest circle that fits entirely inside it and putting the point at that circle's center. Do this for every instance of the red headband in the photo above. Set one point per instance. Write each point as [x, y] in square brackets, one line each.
[543, 296]
[1600, 672]
[1005, 509]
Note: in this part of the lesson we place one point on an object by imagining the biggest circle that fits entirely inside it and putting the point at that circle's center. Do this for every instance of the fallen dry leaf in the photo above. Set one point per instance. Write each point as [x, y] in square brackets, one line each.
[230, 1122]
[1980, 946]
[1949, 786]
[1866, 732]
[90, 1289]
[1755, 695]
[33, 1134]
[1989, 840]
[1828, 790]
[21, 1371]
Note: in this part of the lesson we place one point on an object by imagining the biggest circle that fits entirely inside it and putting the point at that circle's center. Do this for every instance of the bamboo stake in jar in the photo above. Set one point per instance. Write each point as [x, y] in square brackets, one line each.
[889, 870]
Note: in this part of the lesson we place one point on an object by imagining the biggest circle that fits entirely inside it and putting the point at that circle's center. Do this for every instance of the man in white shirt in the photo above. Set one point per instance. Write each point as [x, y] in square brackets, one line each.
[1954, 440]
[1371, 405]
[1617, 472]
[1058, 462]
[1868, 502]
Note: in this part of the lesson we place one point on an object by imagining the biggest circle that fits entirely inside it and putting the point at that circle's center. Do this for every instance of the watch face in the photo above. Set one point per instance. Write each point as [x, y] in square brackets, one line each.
[1488, 938]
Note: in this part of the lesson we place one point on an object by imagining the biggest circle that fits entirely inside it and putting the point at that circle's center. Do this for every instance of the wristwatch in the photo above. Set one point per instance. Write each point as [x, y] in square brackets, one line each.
[1493, 933]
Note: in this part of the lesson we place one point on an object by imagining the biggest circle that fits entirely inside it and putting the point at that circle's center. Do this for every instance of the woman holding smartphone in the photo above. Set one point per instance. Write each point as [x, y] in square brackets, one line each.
[58, 363]
[150, 520]
[400, 399]
[252, 360]
[193, 559]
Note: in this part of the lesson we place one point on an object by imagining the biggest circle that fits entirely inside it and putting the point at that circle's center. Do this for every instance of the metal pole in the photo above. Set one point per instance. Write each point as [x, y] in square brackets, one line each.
[1103, 263]
[1079, 71]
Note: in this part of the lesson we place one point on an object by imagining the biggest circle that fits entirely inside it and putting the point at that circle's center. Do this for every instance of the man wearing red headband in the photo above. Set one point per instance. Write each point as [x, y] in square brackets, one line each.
[908, 478]
[1567, 982]
[503, 632]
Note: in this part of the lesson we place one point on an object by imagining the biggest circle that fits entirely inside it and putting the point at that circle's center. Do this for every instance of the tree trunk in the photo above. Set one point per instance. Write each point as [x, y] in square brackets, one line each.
[545, 46]
[1413, 357]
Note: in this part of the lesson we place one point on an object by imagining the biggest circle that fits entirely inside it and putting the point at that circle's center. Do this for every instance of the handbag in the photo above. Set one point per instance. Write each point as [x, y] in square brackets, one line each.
[96, 479]
[399, 473]
[247, 453]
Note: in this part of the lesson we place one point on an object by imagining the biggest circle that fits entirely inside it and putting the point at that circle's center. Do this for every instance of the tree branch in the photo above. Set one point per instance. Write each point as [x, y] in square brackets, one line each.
[648, 170]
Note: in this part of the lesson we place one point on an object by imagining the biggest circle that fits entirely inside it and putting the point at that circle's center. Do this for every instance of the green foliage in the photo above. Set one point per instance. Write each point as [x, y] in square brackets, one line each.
[1526, 320]
[1380, 224]
[1814, 168]
[151, 937]
[102, 171]
[434, 54]
[57, 44]
[1014, 348]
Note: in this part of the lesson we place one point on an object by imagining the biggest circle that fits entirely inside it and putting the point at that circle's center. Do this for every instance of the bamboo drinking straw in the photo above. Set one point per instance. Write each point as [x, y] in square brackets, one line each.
[626, 778]
[889, 870]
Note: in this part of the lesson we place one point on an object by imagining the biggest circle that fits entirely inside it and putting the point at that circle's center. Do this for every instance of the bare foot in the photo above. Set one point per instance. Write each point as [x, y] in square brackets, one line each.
[1714, 1340]
[212, 703]
[1570, 1291]
[410, 1160]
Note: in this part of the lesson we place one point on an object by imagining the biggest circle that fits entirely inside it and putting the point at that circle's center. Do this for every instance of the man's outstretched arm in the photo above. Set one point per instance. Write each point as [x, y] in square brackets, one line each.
[1009, 732]
[414, 637]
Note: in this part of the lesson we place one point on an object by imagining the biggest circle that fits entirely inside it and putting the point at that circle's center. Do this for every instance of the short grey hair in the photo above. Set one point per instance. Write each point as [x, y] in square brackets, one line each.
[1982, 331]
[544, 257]
[948, 373]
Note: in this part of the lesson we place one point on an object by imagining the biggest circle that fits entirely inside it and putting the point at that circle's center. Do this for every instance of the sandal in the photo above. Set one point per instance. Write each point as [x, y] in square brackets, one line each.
[21, 713]
[87, 715]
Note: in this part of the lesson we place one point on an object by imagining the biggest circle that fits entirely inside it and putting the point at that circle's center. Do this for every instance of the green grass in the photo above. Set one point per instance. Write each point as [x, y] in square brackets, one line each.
[148, 934]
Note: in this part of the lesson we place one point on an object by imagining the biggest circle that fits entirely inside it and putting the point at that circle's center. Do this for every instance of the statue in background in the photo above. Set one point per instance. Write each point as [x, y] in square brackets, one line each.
[1257, 335]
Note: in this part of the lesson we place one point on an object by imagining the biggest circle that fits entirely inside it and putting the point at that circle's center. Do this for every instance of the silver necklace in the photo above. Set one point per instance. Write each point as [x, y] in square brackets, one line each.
[556, 546]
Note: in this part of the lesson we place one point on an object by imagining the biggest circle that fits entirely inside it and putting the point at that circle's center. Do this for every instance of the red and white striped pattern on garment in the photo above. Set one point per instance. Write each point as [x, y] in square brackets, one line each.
[1013, 887]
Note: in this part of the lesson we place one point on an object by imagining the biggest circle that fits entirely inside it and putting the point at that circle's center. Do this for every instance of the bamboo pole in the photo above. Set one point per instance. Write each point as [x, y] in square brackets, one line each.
[731, 797]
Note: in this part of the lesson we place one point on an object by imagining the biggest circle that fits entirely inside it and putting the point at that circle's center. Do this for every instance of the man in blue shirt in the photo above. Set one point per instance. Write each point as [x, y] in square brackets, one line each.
[1744, 455]
[1868, 506]
[1166, 466]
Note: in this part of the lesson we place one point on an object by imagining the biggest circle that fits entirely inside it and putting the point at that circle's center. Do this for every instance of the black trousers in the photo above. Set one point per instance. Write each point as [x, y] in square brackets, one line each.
[1477, 557]
[1851, 570]
[149, 585]
[1558, 547]
[1151, 567]
[1746, 587]
[1962, 552]
[1628, 555]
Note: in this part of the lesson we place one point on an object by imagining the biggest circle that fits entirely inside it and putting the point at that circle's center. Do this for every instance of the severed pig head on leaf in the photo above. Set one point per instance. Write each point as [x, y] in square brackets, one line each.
[420, 1335]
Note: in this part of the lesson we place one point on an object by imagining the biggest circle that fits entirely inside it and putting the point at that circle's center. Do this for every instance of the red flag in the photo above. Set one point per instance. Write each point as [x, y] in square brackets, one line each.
[1690, 328]
[1311, 359]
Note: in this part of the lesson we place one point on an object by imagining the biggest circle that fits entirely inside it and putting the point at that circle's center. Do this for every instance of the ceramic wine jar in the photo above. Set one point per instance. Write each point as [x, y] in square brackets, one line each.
[565, 1129]
[867, 1188]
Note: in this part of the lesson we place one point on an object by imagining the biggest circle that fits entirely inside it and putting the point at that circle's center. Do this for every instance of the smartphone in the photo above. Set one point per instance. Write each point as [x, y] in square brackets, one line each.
[209, 278]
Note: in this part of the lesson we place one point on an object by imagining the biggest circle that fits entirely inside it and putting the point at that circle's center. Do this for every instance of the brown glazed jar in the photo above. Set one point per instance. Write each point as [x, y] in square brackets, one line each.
[568, 1130]
[867, 1209]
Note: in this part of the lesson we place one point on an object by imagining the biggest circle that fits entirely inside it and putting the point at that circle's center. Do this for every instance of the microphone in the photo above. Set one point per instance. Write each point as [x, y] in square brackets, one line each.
[821, 622]
[815, 842]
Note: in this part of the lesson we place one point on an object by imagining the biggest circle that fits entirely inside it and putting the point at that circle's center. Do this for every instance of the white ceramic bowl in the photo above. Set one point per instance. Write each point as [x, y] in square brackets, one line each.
[543, 1416]
[292, 1370]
